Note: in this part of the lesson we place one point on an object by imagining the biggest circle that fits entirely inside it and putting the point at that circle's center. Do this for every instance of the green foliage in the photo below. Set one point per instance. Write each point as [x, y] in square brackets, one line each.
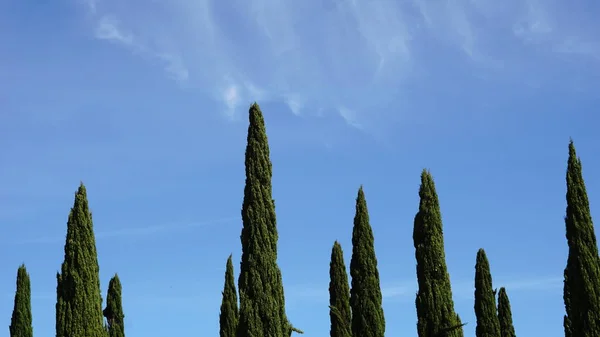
[114, 309]
[365, 296]
[228, 318]
[505, 315]
[582, 273]
[262, 302]
[339, 295]
[485, 299]
[435, 308]
[79, 300]
[21, 321]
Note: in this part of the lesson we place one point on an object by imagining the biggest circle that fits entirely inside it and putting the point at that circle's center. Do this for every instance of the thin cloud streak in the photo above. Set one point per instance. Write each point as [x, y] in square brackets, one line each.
[461, 290]
[324, 54]
[135, 231]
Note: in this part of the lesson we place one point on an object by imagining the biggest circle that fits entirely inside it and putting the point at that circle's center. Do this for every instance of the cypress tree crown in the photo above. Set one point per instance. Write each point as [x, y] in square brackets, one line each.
[485, 299]
[114, 308]
[365, 296]
[262, 302]
[79, 300]
[21, 321]
[339, 295]
[505, 315]
[435, 307]
[228, 318]
[582, 273]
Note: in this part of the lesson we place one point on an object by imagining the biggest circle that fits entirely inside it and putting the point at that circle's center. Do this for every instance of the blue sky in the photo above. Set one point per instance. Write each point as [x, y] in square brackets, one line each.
[145, 101]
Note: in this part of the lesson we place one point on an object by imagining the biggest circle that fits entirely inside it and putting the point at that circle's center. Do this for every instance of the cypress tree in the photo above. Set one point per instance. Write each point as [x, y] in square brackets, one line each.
[582, 273]
[485, 299]
[114, 308]
[365, 296]
[435, 308]
[339, 295]
[505, 315]
[79, 300]
[228, 318]
[262, 301]
[21, 321]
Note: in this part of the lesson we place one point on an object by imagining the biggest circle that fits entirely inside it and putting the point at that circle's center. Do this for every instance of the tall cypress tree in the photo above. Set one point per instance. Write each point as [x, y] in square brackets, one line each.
[79, 300]
[435, 308]
[114, 308]
[505, 315]
[339, 295]
[582, 273]
[262, 302]
[485, 299]
[228, 318]
[365, 296]
[21, 321]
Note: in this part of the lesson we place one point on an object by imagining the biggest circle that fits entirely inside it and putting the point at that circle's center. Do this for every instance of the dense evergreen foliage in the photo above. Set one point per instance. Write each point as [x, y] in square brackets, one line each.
[365, 294]
[340, 314]
[582, 274]
[228, 318]
[485, 299]
[505, 315]
[262, 302]
[21, 321]
[355, 307]
[114, 308]
[79, 300]
[435, 306]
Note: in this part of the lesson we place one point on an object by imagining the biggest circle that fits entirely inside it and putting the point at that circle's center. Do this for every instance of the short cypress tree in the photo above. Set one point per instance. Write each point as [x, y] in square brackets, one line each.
[79, 300]
[435, 308]
[228, 318]
[262, 302]
[114, 308]
[339, 295]
[365, 296]
[21, 321]
[485, 299]
[505, 315]
[582, 273]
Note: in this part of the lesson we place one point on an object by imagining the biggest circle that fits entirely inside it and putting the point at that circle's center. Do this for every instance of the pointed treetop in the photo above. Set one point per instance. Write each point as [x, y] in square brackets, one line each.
[340, 314]
[114, 308]
[582, 272]
[488, 324]
[228, 316]
[365, 295]
[505, 315]
[21, 321]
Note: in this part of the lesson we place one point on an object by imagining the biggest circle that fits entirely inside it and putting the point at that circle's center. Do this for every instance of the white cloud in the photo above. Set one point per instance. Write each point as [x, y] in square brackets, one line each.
[137, 232]
[108, 29]
[321, 54]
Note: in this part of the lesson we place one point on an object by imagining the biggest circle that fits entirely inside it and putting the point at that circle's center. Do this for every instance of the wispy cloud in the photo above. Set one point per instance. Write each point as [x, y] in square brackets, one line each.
[330, 53]
[465, 289]
[137, 232]
[462, 290]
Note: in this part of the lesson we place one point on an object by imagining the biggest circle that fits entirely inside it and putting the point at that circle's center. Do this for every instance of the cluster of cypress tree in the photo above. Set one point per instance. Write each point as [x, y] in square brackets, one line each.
[79, 301]
[257, 307]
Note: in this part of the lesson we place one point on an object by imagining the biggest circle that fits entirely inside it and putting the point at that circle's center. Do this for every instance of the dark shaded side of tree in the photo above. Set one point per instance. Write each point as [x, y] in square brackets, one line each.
[485, 299]
[228, 317]
[21, 321]
[582, 273]
[365, 295]
[79, 300]
[262, 301]
[339, 295]
[435, 307]
[505, 315]
[113, 312]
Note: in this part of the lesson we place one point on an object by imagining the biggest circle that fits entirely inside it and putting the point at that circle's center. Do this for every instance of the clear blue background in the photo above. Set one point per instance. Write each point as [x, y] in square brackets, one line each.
[146, 102]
